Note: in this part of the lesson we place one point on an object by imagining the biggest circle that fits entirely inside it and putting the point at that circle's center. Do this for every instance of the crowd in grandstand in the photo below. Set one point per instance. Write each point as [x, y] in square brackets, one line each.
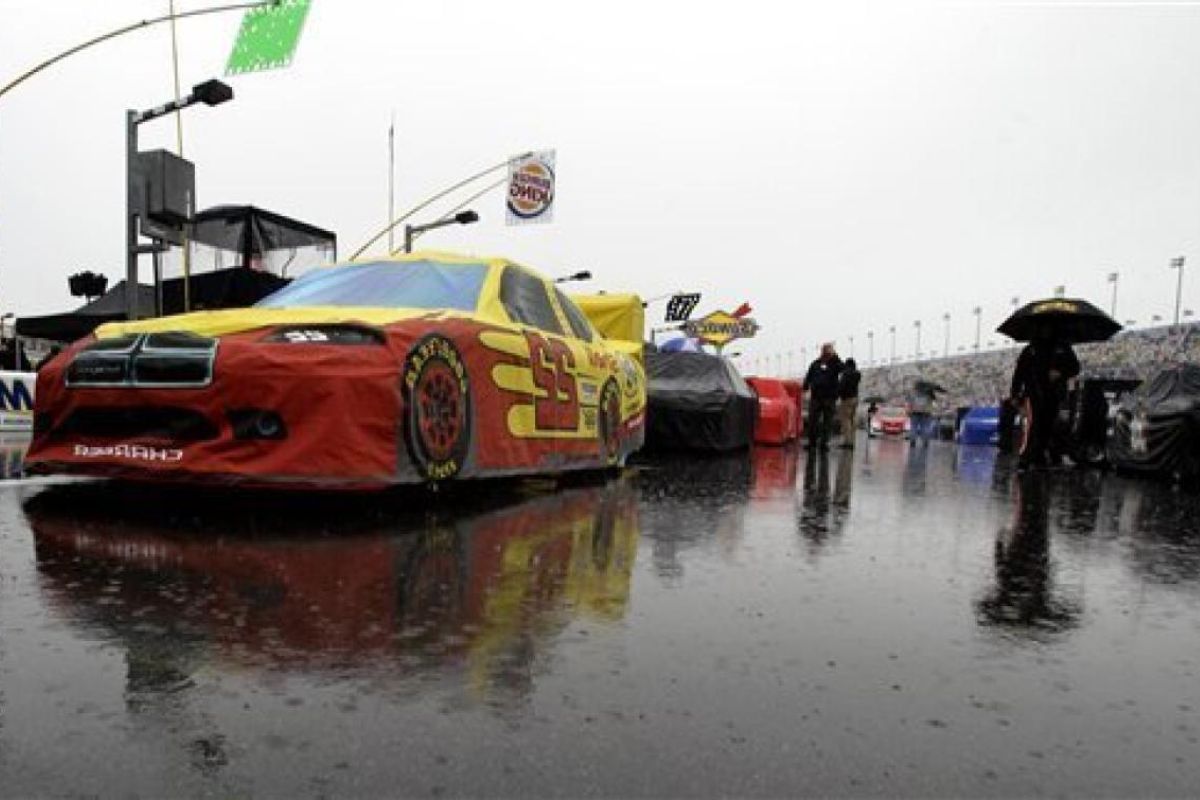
[983, 378]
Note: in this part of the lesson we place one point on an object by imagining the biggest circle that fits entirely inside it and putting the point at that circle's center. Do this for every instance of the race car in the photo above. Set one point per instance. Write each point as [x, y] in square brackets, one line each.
[889, 421]
[1156, 429]
[778, 411]
[428, 367]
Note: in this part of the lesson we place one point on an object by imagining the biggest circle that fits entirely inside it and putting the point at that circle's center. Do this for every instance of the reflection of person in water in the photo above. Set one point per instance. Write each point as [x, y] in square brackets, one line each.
[915, 468]
[1024, 596]
[843, 481]
[813, 515]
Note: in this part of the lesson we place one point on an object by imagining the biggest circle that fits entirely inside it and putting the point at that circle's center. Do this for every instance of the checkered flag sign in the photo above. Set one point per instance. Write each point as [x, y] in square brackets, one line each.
[681, 306]
[268, 37]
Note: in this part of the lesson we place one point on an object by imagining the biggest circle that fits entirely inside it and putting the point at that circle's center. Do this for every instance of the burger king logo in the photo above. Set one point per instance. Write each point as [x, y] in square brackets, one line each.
[531, 187]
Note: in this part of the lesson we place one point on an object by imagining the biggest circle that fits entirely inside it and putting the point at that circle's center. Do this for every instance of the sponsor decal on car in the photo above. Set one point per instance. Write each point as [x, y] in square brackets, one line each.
[588, 393]
[629, 376]
[133, 452]
[1137, 435]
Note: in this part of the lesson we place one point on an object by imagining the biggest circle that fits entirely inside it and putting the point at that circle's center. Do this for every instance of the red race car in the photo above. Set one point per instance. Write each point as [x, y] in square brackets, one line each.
[889, 420]
[778, 411]
[424, 368]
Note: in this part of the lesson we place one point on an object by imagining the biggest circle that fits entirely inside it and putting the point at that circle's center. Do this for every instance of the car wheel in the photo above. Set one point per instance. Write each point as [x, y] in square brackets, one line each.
[609, 423]
[1187, 473]
[437, 403]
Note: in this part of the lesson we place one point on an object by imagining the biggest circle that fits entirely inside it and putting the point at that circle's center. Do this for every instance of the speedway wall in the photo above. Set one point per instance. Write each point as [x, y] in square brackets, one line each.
[984, 378]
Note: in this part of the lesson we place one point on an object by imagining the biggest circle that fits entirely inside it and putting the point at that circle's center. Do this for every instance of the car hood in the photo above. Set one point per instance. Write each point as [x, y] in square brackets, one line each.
[236, 320]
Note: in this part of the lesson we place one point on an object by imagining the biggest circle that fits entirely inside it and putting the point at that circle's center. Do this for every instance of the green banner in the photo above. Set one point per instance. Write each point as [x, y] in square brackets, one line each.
[268, 37]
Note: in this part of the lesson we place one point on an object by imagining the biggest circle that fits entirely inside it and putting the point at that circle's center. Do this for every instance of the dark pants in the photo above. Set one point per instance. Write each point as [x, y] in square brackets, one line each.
[1008, 415]
[820, 419]
[1043, 413]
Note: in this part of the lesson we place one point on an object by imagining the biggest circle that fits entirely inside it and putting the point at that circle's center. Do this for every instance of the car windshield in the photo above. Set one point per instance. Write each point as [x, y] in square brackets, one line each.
[385, 284]
[891, 411]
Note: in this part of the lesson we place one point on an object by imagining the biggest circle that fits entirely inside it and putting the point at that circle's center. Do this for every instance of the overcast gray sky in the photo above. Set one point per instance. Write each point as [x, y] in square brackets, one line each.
[841, 165]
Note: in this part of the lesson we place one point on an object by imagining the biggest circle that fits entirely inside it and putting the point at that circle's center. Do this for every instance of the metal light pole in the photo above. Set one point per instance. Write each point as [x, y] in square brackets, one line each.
[978, 312]
[428, 201]
[892, 331]
[1177, 264]
[210, 93]
[946, 319]
[391, 178]
[1112, 278]
[24, 76]
[461, 218]
[871, 348]
[917, 349]
[851, 337]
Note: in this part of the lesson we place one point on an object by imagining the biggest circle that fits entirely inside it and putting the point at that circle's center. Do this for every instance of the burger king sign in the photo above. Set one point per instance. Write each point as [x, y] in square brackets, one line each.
[531, 188]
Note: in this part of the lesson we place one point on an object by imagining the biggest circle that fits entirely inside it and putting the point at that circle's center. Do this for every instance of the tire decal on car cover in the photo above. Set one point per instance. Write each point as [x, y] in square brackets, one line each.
[437, 406]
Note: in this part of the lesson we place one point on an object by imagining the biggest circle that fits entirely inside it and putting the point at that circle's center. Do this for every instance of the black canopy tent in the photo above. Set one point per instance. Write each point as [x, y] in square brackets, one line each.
[71, 325]
[240, 255]
[227, 288]
[248, 236]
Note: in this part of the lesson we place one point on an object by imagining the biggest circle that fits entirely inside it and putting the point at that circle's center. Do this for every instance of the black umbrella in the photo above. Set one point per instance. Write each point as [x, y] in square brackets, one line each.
[1064, 318]
[928, 387]
[874, 398]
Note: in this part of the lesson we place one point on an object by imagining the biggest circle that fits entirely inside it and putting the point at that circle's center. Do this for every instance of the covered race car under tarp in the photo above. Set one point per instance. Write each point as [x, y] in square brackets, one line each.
[778, 411]
[1157, 427]
[697, 401]
[980, 425]
[615, 316]
[422, 368]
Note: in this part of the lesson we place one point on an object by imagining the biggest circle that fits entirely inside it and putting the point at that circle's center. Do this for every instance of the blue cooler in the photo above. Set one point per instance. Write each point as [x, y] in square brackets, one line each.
[980, 425]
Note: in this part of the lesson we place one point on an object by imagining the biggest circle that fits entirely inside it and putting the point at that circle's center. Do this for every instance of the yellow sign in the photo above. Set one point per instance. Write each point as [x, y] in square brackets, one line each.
[1050, 306]
[720, 328]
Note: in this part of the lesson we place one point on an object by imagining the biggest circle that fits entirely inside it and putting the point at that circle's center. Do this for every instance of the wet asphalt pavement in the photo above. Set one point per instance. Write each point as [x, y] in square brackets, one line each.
[883, 621]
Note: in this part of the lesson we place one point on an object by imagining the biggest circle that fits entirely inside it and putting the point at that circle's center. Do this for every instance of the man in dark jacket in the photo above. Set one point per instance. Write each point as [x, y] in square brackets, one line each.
[821, 382]
[848, 401]
[1039, 385]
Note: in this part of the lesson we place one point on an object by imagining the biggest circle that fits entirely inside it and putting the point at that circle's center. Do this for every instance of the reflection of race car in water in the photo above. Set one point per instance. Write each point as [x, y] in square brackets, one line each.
[889, 420]
[426, 367]
[478, 590]
[775, 470]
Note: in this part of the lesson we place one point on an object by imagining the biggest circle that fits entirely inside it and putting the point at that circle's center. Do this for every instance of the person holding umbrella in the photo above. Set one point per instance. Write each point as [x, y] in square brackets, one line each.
[1048, 363]
[921, 401]
[1040, 379]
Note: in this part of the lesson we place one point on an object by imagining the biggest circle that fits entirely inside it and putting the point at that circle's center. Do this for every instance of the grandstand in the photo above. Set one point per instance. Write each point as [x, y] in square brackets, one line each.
[983, 378]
